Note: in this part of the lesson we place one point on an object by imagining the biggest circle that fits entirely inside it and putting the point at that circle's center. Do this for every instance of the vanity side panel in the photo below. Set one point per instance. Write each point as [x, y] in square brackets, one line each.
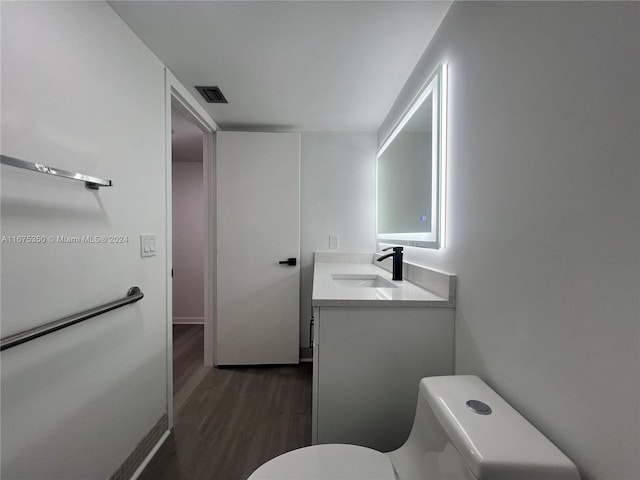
[316, 364]
[372, 361]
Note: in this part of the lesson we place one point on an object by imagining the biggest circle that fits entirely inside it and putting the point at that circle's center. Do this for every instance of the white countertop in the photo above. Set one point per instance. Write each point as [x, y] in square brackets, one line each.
[327, 292]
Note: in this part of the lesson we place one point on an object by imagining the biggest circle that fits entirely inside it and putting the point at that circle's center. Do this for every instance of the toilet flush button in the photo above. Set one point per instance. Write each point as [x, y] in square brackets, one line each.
[479, 407]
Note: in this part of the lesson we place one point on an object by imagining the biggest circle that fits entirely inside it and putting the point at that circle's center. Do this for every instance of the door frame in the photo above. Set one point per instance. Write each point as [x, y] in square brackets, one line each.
[178, 96]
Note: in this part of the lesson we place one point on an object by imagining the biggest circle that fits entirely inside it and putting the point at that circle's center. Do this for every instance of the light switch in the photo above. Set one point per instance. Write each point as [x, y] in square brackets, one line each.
[147, 245]
[334, 242]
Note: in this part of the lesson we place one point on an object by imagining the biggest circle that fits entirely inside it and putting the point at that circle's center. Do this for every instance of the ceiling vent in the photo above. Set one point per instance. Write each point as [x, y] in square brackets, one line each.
[212, 94]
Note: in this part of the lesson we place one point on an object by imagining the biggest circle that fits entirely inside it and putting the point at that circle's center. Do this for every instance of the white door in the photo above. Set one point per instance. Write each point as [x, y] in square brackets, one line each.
[258, 181]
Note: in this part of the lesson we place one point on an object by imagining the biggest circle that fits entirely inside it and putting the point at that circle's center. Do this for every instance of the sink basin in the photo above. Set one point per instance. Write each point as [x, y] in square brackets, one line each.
[361, 281]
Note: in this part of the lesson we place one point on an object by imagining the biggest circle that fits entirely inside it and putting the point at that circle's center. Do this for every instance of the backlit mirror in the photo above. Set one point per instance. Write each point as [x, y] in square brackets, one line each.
[410, 171]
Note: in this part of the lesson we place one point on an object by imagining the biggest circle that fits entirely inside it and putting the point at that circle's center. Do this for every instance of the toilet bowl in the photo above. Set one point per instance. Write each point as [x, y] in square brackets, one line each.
[330, 461]
[462, 430]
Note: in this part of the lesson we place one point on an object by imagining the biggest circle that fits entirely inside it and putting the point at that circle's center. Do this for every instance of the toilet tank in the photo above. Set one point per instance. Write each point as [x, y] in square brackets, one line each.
[453, 440]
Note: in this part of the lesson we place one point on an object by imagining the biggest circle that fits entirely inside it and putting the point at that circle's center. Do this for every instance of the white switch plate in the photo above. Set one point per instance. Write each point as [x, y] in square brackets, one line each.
[147, 245]
[334, 242]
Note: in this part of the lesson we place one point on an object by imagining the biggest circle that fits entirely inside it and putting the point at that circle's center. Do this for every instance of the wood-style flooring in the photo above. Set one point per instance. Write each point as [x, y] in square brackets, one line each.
[235, 420]
[188, 362]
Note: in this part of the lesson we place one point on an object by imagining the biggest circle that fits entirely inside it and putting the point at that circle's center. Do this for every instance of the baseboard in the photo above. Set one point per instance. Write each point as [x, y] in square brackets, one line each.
[188, 320]
[132, 467]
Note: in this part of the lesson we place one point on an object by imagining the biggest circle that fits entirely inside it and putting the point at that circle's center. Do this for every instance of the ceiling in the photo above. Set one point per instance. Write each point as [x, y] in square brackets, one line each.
[290, 65]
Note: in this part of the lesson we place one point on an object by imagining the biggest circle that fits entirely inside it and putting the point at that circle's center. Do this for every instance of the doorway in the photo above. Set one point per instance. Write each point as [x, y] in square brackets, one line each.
[179, 99]
[188, 228]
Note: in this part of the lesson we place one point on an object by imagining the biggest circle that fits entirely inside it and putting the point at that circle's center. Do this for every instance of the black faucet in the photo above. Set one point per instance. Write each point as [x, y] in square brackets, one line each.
[397, 261]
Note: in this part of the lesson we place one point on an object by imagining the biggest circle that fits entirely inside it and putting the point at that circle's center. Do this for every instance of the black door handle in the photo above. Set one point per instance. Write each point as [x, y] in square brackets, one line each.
[290, 261]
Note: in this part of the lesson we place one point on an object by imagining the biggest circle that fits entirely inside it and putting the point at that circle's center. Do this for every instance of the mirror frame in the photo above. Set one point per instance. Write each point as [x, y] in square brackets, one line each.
[435, 85]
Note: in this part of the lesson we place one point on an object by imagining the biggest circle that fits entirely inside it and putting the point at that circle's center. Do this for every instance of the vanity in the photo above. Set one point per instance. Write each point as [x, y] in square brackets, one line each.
[373, 340]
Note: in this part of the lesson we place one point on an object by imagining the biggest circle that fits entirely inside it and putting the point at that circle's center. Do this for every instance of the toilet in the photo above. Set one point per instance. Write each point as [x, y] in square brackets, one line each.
[462, 430]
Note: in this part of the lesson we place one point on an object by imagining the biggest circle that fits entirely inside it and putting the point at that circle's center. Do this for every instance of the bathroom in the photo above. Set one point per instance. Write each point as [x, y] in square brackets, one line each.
[542, 222]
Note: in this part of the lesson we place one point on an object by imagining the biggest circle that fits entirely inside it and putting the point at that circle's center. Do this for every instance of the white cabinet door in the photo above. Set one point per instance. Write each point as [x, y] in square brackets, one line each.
[258, 225]
[368, 367]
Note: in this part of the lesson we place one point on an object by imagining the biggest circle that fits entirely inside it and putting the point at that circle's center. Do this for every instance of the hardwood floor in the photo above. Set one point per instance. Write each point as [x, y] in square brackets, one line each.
[188, 352]
[235, 420]
[188, 362]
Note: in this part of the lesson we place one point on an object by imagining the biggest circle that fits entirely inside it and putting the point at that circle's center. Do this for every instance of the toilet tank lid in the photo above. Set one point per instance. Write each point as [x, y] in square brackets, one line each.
[502, 444]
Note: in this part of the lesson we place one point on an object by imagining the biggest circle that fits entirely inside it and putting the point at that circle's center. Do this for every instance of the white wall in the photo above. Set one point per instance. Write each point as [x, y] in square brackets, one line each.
[188, 242]
[337, 192]
[543, 225]
[80, 92]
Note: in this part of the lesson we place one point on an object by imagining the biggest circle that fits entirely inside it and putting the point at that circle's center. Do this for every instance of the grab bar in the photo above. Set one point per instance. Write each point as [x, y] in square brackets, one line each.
[92, 183]
[133, 295]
